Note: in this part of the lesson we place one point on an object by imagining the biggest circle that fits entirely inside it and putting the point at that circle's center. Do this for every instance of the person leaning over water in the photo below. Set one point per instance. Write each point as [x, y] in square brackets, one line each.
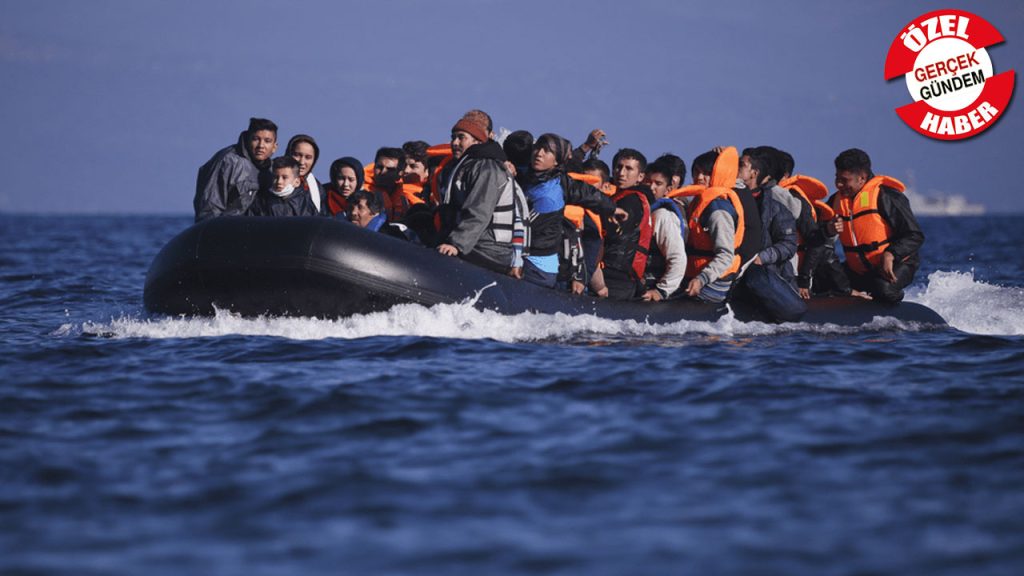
[284, 195]
[306, 152]
[346, 178]
[227, 184]
[877, 228]
[483, 211]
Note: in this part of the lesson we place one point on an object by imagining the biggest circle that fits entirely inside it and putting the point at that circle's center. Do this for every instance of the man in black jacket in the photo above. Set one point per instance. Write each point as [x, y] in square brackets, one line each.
[628, 232]
[770, 277]
[227, 184]
[878, 230]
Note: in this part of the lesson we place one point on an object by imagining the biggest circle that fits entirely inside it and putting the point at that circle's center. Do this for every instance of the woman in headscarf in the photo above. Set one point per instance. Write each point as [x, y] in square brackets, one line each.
[346, 178]
[548, 189]
[306, 152]
[546, 196]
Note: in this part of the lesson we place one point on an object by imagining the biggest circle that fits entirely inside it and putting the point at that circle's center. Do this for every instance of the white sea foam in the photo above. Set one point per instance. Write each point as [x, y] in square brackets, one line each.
[966, 304]
[973, 306]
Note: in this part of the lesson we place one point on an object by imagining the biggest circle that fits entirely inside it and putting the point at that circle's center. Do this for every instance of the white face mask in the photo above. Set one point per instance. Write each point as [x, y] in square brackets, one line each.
[284, 193]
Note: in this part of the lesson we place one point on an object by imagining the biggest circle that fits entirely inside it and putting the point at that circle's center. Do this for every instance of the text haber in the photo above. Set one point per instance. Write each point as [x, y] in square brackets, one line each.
[960, 124]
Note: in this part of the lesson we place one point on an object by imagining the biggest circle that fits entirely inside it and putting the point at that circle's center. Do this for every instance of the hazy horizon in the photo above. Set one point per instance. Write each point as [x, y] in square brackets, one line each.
[113, 106]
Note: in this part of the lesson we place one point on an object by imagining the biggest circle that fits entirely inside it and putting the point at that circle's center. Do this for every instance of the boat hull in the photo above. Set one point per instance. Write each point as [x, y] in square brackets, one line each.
[319, 267]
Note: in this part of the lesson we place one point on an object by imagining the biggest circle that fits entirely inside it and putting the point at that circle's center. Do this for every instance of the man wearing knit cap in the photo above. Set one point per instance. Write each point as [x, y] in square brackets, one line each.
[483, 211]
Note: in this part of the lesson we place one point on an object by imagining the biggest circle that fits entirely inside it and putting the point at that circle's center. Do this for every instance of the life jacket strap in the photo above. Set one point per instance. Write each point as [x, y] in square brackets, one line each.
[865, 248]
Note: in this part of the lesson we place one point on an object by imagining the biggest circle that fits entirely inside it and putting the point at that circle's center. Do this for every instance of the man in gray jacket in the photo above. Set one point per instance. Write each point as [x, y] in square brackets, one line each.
[227, 184]
[483, 210]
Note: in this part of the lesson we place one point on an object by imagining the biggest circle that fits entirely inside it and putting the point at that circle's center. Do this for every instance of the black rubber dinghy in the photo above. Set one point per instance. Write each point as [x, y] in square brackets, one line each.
[319, 267]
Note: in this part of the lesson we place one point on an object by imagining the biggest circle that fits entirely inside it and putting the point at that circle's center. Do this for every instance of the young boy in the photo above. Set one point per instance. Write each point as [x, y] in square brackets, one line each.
[285, 195]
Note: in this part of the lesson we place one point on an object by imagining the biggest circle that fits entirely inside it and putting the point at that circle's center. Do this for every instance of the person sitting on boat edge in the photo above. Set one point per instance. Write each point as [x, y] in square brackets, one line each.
[483, 210]
[879, 233]
[227, 184]
[769, 281]
[628, 233]
[666, 262]
[284, 196]
[367, 212]
[346, 178]
[304, 149]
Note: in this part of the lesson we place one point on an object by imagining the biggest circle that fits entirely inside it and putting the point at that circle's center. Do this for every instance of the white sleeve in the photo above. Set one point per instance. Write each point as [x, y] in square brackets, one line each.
[669, 238]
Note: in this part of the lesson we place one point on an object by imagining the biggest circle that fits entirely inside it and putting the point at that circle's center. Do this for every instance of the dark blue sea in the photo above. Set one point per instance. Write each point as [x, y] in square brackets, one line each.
[448, 440]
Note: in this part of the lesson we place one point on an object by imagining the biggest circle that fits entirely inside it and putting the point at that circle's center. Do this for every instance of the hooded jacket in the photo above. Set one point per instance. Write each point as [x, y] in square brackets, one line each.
[298, 203]
[226, 185]
[483, 211]
[778, 234]
[336, 202]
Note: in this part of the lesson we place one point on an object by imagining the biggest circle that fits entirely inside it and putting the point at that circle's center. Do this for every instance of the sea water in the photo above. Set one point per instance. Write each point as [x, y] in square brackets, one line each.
[449, 440]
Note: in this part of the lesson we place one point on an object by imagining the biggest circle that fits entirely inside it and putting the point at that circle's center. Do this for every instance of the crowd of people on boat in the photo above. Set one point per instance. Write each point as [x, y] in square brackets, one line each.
[538, 209]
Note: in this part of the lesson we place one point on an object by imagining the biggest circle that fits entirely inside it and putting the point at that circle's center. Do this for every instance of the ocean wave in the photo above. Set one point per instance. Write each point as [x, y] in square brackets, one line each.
[968, 305]
[972, 306]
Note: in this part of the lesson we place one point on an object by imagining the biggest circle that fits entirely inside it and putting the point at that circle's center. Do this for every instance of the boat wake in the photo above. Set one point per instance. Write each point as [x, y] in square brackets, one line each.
[968, 305]
[972, 306]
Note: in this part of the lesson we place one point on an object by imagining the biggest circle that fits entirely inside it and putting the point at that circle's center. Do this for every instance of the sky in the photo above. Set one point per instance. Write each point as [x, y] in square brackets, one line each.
[111, 106]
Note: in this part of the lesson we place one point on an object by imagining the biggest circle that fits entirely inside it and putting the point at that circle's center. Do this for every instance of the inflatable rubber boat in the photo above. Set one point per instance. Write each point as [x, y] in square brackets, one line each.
[319, 267]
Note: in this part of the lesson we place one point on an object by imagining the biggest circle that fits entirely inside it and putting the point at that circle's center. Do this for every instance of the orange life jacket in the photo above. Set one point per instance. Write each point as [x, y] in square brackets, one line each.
[700, 245]
[813, 191]
[866, 233]
[576, 214]
[594, 181]
[445, 152]
[404, 196]
[368, 176]
[385, 196]
[688, 190]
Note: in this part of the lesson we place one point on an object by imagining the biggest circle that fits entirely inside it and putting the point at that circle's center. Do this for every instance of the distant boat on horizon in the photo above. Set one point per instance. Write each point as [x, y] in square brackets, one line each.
[943, 205]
